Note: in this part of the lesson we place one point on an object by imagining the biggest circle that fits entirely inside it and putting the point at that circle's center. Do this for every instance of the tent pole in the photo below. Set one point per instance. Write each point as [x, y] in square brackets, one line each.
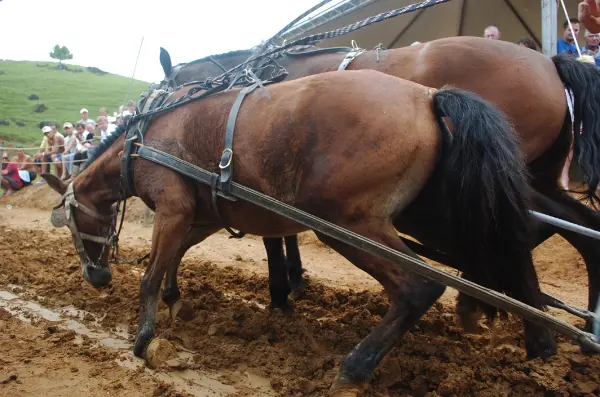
[549, 26]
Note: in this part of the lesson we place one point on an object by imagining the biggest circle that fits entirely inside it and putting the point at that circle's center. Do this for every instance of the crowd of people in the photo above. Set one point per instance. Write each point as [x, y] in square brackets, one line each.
[64, 154]
[60, 153]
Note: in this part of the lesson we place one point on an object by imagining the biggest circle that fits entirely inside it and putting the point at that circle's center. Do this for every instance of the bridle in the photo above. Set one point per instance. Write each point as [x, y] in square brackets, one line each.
[66, 217]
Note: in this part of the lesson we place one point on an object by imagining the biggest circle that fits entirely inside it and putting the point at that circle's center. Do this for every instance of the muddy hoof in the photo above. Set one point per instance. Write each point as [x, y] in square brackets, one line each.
[298, 291]
[284, 308]
[344, 388]
[159, 352]
[182, 310]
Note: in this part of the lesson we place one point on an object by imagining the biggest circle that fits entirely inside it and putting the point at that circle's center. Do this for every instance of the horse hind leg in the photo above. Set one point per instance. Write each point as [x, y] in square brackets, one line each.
[410, 297]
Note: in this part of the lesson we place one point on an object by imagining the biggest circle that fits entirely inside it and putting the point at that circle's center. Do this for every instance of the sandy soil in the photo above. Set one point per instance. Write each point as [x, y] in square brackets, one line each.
[61, 337]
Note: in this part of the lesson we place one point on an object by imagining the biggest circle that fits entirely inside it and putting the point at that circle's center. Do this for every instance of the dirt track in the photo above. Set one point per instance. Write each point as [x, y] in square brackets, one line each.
[236, 348]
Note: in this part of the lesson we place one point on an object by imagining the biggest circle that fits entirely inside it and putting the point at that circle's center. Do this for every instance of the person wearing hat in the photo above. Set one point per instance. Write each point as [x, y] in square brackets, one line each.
[84, 116]
[42, 158]
[56, 143]
[72, 146]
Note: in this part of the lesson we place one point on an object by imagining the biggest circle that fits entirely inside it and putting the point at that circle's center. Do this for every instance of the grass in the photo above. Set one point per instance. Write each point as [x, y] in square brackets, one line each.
[64, 93]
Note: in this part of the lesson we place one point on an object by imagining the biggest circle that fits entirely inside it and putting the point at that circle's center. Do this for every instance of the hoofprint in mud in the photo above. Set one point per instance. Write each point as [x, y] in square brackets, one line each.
[235, 344]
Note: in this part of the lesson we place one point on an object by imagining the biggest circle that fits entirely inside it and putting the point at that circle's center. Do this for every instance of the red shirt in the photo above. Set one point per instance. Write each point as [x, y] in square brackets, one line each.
[13, 173]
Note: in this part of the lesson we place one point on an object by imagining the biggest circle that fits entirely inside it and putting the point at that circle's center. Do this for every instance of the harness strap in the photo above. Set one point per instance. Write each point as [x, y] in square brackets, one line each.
[350, 56]
[226, 164]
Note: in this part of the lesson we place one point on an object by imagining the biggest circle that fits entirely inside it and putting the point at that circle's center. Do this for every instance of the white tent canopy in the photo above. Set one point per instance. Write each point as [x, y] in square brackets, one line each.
[516, 19]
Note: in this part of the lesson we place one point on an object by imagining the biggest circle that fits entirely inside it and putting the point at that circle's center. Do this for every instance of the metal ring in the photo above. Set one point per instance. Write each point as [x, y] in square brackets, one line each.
[221, 166]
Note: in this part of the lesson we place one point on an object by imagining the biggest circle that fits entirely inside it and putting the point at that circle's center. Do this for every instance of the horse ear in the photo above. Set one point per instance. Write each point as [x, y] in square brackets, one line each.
[165, 61]
[56, 184]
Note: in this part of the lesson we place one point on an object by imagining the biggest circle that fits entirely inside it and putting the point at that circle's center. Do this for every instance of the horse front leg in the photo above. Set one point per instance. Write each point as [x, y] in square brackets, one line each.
[171, 295]
[278, 278]
[294, 267]
[170, 227]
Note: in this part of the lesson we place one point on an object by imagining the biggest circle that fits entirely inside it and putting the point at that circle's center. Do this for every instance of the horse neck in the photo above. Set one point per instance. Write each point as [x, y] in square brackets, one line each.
[100, 181]
[200, 71]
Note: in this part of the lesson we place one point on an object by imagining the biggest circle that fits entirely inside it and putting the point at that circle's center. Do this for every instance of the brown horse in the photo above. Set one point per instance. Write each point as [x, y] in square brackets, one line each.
[524, 84]
[354, 148]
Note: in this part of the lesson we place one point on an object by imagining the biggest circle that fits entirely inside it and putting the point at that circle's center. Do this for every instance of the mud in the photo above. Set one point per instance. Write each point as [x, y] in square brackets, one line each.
[235, 347]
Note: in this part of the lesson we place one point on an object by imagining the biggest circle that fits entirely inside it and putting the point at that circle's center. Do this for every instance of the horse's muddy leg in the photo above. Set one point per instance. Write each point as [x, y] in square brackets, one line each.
[278, 277]
[171, 295]
[410, 297]
[294, 266]
[170, 227]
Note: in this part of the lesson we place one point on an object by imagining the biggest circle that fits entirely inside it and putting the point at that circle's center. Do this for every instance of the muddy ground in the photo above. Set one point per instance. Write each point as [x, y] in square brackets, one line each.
[61, 337]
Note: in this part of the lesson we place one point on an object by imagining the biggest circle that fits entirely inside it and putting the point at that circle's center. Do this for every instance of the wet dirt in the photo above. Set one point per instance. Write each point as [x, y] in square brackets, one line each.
[233, 345]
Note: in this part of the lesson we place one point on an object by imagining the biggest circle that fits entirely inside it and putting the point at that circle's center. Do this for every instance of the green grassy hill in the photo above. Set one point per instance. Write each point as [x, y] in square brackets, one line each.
[64, 93]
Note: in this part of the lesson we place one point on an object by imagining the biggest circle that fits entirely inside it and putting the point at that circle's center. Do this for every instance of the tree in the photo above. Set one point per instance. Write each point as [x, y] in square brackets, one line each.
[61, 53]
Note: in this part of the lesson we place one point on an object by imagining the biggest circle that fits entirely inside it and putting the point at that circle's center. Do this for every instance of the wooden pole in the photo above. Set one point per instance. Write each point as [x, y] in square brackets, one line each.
[549, 26]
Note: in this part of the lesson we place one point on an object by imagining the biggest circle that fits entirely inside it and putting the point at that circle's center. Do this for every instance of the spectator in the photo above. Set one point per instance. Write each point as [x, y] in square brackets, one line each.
[56, 142]
[131, 107]
[103, 126]
[567, 44]
[11, 181]
[111, 120]
[591, 46]
[87, 139]
[528, 43]
[72, 145]
[85, 117]
[492, 33]
[23, 161]
[42, 158]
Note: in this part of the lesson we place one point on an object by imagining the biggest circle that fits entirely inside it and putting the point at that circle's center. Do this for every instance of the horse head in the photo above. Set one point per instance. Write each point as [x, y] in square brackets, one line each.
[90, 227]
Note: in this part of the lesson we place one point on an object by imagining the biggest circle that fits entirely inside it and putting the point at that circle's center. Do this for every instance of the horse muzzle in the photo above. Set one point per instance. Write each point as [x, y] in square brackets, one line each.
[97, 276]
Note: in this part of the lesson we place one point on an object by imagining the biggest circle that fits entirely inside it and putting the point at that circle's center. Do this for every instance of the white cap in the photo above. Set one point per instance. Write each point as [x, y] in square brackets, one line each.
[46, 129]
[83, 110]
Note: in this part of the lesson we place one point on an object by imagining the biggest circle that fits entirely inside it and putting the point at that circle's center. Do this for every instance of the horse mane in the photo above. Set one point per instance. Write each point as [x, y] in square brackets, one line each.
[223, 55]
[104, 145]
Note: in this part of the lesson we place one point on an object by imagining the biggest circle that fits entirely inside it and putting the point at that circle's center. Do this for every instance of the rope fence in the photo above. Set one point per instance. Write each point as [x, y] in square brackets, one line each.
[38, 148]
[49, 162]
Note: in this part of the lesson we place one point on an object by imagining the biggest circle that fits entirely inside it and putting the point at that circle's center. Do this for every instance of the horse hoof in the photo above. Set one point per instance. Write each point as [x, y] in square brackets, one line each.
[159, 352]
[181, 310]
[298, 291]
[286, 308]
[344, 388]
[344, 392]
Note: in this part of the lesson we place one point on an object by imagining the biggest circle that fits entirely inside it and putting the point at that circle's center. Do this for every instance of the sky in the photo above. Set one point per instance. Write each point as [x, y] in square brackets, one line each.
[107, 33]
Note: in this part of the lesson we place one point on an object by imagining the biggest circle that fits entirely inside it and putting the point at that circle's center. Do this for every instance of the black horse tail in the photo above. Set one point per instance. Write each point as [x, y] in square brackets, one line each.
[485, 193]
[165, 61]
[584, 80]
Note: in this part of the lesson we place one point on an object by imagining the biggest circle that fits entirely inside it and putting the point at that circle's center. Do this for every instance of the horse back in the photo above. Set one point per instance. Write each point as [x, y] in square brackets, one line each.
[360, 134]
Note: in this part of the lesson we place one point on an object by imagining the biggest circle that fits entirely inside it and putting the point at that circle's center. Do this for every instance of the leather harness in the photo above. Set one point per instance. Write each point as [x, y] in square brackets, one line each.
[152, 100]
